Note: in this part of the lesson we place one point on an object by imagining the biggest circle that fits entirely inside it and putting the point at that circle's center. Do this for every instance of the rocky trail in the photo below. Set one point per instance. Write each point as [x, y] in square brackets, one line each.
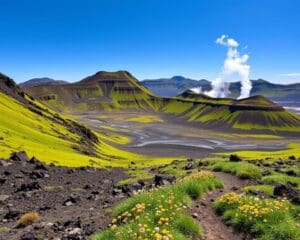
[214, 227]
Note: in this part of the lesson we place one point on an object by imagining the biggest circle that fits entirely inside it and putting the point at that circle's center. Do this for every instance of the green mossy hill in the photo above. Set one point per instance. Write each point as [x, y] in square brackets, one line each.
[253, 113]
[24, 119]
[101, 91]
[112, 91]
[27, 125]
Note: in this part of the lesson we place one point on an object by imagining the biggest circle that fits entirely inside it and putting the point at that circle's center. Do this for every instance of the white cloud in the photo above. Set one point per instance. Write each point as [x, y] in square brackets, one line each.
[295, 74]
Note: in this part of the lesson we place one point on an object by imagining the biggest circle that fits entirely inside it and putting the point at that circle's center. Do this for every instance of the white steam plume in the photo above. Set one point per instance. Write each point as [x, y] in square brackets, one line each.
[233, 64]
[197, 90]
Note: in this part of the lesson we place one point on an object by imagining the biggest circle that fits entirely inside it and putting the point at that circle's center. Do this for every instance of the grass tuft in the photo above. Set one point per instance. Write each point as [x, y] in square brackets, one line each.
[28, 219]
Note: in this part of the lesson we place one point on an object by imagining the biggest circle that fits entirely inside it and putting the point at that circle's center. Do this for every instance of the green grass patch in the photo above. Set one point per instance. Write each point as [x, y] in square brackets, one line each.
[243, 170]
[161, 212]
[268, 189]
[282, 178]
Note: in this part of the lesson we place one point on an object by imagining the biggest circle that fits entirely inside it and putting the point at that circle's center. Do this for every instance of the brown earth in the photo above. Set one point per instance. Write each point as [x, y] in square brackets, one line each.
[214, 227]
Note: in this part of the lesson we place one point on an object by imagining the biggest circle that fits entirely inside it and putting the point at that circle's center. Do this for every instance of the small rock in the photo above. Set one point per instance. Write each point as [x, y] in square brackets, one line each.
[19, 156]
[12, 214]
[265, 172]
[2, 180]
[40, 166]
[4, 163]
[195, 215]
[29, 187]
[234, 158]
[28, 236]
[287, 190]
[75, 231]
[292, 157]
[3, 198]
[162, 179]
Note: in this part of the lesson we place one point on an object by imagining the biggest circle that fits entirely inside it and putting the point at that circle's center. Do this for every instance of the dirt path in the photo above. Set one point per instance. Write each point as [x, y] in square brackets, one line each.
[214, 228]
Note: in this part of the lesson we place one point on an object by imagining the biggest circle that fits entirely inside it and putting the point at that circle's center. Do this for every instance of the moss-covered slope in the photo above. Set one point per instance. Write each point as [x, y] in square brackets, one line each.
[120, 90]
[27, 125]
[253, 113]
[101, 91]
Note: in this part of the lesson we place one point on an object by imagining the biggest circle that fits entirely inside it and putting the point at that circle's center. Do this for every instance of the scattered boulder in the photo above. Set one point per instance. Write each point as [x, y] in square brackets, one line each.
[188, 166]
[3, 197]
[234, 158]
[29, 236]
[19, 156]
[29, 187]
[287, 190]
[36, 174]
[40, 166]
[291, 173]
[72, 199]
[163, 179]
[4, 163]
[265, 172]
[292, 157]
[2, 180]
[12, 214]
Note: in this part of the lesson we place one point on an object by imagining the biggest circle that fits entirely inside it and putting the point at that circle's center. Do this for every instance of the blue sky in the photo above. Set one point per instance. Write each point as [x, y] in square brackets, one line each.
[156, 38]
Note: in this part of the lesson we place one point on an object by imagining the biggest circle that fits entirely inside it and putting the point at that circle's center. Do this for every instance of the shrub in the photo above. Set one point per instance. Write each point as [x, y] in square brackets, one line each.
[187, 226]
[28, 219]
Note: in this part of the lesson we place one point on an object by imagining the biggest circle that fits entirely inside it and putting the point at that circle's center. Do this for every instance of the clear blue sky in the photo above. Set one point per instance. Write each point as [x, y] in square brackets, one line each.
[69, 39]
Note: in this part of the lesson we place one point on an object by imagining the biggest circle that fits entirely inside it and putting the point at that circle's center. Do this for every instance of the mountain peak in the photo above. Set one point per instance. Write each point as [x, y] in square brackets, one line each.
[120, 75]
[178, 78]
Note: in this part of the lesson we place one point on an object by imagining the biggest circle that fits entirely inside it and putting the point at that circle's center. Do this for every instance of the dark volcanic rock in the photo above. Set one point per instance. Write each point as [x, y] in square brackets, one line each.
[40, 166]
[29, 236]
[29, 187]
[188, 166]
[162, 179]
[287, 190]
[234, 158]
[19, 156]
[265, 172]
[12, 214]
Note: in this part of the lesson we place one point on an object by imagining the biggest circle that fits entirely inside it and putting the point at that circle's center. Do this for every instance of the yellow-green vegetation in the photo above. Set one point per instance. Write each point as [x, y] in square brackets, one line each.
[160, 213]
[52, 142]
[243, 170]
[282, 178]
[146, 119]
[114, 137]
[53, 188]
[260, 188]
[135, 175]
[4, 230]
[254, 136]
[293, 149]
[265, 219]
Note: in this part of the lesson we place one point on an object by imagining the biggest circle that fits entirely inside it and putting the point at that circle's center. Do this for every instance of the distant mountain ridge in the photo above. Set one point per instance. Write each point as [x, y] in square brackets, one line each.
[41, 81]
[112, 91]
[169, 87]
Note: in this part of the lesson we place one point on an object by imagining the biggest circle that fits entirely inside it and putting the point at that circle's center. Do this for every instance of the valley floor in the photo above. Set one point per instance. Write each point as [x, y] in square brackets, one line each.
[161, 135]
[77, 202]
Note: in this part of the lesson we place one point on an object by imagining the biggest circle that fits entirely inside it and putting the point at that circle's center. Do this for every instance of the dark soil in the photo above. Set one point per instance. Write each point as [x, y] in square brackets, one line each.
[72, 203]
